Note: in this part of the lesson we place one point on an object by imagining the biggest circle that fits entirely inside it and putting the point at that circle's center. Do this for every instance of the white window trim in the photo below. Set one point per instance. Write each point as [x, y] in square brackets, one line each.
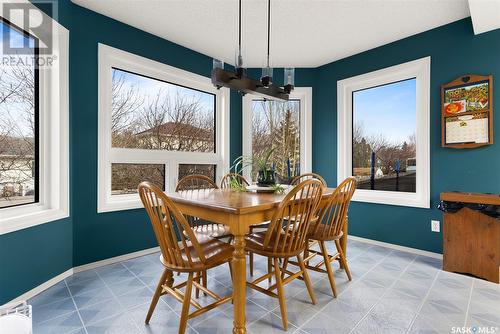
[419, 69]
[110, 57]
[54, 136]
[304, 94]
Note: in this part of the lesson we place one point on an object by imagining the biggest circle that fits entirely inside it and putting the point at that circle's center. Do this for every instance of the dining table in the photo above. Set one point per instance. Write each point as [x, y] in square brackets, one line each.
[238, 210]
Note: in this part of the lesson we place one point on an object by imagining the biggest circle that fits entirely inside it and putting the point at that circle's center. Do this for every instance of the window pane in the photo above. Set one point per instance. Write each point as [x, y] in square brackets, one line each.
[276, 125]
[152, 114]
[18, 120]
[384, 143]
[203, 169]
[125, 178]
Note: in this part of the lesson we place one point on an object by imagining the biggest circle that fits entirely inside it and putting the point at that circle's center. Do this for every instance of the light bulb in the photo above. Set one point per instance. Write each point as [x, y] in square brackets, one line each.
[238, 63]
[217, 64]
[289, 79]
[267, 76]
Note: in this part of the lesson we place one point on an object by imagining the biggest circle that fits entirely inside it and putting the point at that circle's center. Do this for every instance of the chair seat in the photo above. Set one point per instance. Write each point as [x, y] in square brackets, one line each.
[255, 244]
[216, 252]
[318, 232]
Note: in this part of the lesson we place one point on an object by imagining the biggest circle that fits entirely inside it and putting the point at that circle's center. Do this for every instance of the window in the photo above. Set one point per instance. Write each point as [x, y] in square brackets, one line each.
[383, 141]
[383, 134]
[285, 127]
[152, 114]
[157, 123]
[34, 184]
[126, 177]
[189, 169]
[19, 126]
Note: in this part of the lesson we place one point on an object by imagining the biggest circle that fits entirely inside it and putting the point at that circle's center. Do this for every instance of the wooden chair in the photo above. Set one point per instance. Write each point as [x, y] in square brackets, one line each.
[286, 237]
[329, 227]
[307, 176]
[181, 252]
[224, 183]
[202, 228]
[195, 182]
[296, 180]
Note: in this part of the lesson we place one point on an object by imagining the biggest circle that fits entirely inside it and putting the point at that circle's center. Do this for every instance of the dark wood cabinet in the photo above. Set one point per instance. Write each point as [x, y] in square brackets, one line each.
[471, 238]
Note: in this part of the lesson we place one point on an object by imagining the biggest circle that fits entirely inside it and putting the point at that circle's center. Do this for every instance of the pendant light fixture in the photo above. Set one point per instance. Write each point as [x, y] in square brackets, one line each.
[267, 72]
[239, 80]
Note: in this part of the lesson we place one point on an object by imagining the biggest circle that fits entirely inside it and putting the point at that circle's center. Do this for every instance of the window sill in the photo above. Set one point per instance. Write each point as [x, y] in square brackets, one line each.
[391, 198]
[36, 216]
[119, 203]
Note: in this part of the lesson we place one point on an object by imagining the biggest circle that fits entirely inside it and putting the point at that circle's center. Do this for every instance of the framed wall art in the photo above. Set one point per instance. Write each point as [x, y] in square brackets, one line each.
[467, 111]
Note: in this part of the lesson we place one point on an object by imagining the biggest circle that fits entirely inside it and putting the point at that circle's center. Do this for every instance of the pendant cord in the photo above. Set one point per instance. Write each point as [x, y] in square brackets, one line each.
[239, 36]
[268, 29]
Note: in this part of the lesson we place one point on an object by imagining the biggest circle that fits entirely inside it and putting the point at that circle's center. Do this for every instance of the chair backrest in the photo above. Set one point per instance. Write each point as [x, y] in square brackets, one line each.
[334, 215]
[173, 233]
[195, 182]
[288, 229]
[307, 176]
[225, 182]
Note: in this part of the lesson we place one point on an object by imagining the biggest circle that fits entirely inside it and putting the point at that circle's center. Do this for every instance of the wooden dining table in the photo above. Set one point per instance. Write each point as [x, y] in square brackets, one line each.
[237, 210]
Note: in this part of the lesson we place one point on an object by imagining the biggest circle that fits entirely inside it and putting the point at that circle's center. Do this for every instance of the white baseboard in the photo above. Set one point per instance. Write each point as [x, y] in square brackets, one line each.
[397, 247]
[35, 291]
[53, 281]
[115, 259]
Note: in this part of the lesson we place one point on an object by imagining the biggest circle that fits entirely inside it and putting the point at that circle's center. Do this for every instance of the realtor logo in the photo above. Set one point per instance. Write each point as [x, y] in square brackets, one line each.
[34, 24]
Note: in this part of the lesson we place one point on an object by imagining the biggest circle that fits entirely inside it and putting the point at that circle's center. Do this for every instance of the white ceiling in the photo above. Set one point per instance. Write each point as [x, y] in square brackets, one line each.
[485, 15]
[304, 33]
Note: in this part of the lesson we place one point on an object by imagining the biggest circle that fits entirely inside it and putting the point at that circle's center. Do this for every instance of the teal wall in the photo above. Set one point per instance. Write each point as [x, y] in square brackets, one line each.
[475, 170]
[32, 256]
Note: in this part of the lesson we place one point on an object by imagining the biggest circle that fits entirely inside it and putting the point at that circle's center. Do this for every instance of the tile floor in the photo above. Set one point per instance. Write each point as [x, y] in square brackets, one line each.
[391, 292]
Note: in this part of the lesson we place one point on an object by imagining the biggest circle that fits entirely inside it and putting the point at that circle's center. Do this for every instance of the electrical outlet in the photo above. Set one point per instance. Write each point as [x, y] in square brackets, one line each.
[435, 227]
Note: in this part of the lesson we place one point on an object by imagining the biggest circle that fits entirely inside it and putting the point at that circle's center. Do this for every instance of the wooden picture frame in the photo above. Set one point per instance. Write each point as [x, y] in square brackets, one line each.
[467, 112]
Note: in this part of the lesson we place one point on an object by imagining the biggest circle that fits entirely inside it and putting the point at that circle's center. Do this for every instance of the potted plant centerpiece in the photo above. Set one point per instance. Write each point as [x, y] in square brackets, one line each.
[266, 175]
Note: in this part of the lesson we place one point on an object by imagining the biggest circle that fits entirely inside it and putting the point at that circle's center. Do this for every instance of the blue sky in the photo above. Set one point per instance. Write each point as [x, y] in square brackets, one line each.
[16, 39]
[148, 88]
[388, 109]
[12, 115]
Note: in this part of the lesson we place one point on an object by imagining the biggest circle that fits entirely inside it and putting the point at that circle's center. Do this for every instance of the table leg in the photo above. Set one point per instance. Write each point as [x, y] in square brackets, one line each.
[343, 240]
[239, 284]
